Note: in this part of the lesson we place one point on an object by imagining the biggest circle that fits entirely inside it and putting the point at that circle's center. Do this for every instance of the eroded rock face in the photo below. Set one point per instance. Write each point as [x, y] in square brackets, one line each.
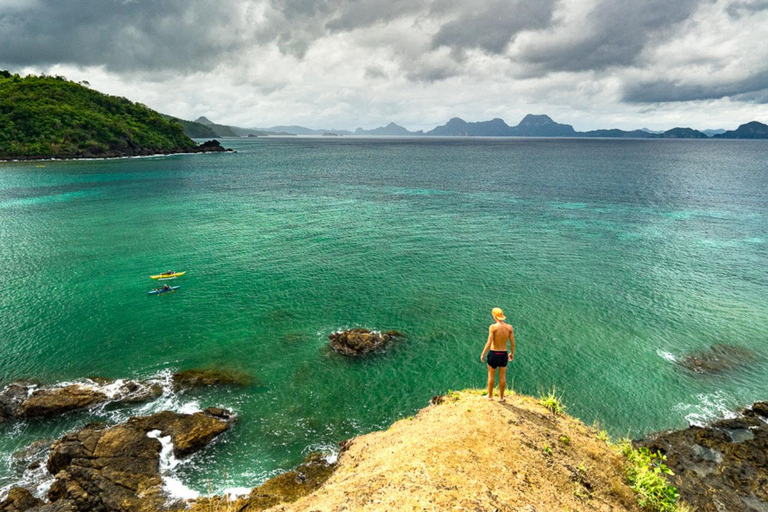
[103, 468]
[720, 467]
[285, 488]
[51, 402]
[358, 342]
[19, 499]
[204, 377]
[718, 358]
[27, 401]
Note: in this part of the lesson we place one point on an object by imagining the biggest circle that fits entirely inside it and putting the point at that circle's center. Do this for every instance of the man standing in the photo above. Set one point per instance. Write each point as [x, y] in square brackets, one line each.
[498, 335]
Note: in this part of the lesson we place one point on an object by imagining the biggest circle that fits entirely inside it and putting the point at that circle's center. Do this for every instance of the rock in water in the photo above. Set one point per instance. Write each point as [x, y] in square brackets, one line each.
[54, 401]
[117, 468]
[205, 377]
[718, 359]
[357, 342]
[211, 146]
[25, 401]
[723, 466]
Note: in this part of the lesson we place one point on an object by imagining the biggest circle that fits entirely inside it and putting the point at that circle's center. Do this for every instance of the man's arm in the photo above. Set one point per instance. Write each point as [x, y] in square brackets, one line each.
[511, 343]
[487, 344]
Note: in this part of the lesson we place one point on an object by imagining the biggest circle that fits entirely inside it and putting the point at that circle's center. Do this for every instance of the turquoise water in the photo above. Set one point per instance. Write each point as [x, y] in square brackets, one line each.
[610, 257]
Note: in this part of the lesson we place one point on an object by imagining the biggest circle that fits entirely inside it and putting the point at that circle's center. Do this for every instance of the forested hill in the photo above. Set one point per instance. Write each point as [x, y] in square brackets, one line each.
[52, 117]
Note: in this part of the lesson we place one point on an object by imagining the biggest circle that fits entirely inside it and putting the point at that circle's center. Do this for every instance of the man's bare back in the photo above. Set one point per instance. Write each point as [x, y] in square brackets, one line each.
[501, 333]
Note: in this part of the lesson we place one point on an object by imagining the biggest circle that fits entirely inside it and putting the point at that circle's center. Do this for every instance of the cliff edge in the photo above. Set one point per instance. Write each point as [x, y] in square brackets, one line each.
[465, 452]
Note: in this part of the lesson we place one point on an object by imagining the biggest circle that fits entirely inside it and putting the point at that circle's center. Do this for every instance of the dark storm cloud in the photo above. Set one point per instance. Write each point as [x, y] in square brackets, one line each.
[614, 34]
[753, 89]
[421, 41]
[122, 35]
[490, 25]
[148, 35]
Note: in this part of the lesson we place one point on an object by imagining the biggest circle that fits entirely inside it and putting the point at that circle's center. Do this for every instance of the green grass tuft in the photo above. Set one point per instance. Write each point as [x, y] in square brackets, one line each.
[646, 475]
[552, 402]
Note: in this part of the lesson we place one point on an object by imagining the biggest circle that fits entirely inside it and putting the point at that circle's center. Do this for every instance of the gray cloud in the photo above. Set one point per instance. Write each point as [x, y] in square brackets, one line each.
[121, 35]
[544, 52]
[753, 89]
[745, 7]
[490, 25]
[614, 34]
[375, 72]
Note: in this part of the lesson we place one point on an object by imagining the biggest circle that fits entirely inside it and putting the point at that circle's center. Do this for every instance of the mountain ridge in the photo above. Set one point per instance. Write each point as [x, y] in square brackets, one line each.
[532, 125]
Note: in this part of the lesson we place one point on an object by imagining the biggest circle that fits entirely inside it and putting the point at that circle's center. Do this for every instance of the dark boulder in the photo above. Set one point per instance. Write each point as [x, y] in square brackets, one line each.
[28, 401]
[718, 358]
[116, 468]
[357, 342]
[758, 409]
[11, 399]
[210, 146]
[205, 377]
[21, 500]
[53, 401]
[722, 466]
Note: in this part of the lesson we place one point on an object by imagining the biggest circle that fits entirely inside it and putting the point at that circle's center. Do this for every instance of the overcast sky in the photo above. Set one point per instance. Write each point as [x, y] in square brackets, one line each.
[349, 63]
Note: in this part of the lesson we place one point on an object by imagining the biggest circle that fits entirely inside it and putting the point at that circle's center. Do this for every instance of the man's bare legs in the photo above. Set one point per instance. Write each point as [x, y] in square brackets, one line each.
[491, 381]
[502, 382]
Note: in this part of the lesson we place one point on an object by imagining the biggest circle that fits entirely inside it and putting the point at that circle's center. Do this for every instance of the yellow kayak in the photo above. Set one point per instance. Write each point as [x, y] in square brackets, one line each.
[168, 276]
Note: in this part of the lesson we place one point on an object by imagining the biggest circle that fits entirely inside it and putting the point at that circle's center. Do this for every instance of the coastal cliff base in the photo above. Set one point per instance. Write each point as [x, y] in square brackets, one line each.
[469, 453]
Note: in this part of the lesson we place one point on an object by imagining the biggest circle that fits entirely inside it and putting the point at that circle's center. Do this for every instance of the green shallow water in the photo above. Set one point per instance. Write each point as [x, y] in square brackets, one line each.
[610, 257]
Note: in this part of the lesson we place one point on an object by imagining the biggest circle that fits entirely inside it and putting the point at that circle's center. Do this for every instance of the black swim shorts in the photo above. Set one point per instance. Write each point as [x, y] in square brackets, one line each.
[497, 358]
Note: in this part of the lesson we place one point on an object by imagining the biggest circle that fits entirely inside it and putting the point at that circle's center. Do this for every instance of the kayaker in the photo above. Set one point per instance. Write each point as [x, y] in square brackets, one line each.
[496, 349]
[166, 287]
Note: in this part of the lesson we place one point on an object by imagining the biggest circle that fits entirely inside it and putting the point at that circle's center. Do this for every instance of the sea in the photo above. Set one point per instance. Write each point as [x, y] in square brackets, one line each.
[614, 260]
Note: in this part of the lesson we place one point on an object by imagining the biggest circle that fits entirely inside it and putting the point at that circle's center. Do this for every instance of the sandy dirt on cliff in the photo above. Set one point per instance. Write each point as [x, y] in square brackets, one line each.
[471, 454]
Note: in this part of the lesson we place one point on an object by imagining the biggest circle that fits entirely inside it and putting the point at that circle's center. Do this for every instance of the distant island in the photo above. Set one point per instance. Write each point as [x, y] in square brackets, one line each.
[52, 117]
[531, 126]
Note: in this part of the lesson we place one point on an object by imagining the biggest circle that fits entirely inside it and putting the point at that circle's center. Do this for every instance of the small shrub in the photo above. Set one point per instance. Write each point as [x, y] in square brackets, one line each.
[546, 449]
[565, 440]
[552, 402]
[646, 475]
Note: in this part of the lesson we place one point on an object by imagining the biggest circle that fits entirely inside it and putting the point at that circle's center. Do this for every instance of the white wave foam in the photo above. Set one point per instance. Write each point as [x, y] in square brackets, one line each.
[330, 451]
[37, 480]
[232, 493]
[174, 487]
[711, 407]
[667, 356]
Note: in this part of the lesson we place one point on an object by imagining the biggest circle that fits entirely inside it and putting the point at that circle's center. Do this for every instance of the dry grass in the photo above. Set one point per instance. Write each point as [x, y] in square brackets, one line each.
[472, 454]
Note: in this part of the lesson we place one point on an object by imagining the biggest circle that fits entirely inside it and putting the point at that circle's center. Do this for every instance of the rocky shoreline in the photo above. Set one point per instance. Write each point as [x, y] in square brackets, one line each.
[117, 468]
[722, 466]
[24, 400]
[719, 467]
[211, 146]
